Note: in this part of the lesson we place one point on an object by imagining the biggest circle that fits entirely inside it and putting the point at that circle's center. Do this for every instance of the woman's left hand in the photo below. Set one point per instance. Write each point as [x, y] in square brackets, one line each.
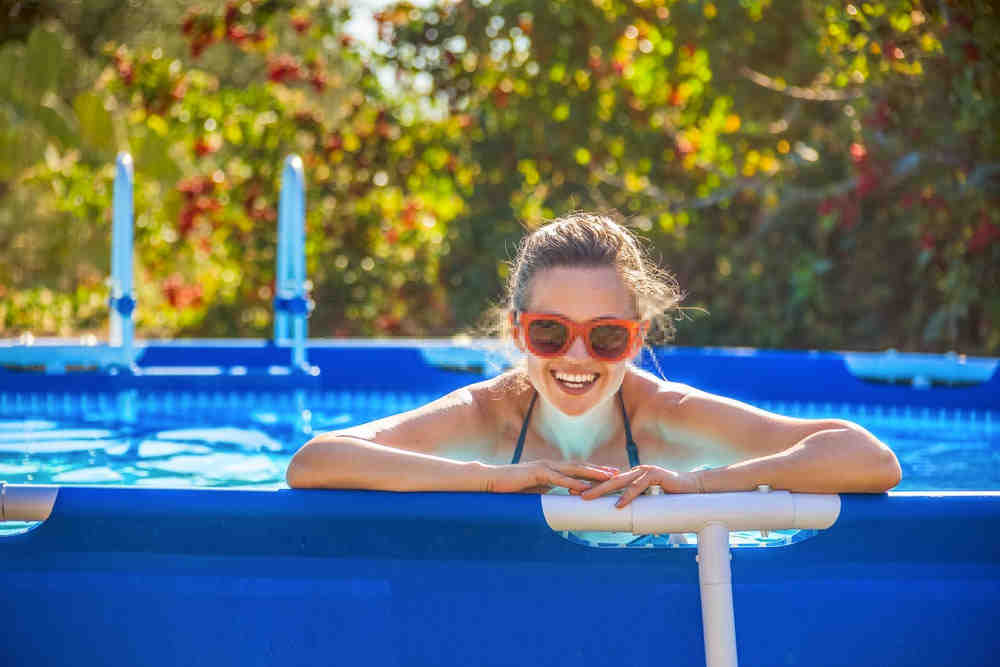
[640, 478]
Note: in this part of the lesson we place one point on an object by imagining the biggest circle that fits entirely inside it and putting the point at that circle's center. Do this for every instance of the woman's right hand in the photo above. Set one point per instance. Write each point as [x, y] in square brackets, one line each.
[540, 476]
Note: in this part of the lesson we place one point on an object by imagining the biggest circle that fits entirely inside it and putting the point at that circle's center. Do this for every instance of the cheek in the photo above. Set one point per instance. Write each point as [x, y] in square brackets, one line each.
[616, 374]
[533, 365]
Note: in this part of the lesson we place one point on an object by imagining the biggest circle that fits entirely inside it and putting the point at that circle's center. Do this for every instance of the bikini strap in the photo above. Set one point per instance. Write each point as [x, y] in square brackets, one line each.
[630, 446]
[524, 430]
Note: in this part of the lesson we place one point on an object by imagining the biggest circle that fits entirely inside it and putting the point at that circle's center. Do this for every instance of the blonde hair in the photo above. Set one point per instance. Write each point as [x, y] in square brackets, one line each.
[594, 240]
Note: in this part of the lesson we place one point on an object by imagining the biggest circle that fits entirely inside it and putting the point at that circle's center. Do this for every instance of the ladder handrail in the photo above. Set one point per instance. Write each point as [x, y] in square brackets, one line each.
[291, 298]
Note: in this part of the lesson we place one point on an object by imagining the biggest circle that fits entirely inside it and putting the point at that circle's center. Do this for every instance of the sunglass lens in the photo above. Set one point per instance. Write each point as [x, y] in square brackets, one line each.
[547, 336]
[609, 340]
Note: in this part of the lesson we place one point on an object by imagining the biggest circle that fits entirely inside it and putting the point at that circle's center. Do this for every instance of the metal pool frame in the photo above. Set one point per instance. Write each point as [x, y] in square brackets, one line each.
[125, 576]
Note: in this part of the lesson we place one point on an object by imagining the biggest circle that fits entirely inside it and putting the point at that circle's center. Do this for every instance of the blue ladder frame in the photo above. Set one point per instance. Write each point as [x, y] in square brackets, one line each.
[292, 305]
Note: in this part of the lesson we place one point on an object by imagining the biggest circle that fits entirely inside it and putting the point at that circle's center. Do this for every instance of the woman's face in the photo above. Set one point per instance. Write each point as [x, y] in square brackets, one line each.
[581, 294]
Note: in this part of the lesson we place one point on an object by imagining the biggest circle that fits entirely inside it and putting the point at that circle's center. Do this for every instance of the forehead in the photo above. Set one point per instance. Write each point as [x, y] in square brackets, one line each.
[580, 293]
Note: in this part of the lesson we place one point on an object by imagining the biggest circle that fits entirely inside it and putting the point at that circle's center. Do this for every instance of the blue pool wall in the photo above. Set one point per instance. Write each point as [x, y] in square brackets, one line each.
[127, 576]
[753, 375]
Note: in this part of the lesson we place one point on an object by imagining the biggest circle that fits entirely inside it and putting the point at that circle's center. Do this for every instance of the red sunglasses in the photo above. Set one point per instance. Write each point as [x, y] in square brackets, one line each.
[552, 335]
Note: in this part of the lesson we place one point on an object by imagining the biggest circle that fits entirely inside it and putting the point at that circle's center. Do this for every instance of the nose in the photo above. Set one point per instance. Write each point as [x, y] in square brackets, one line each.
[577, 349]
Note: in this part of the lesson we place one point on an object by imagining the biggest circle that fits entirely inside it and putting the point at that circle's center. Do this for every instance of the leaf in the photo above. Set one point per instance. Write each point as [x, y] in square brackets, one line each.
[152, 153]
[56, 124]
[44, 59]
[95, 121]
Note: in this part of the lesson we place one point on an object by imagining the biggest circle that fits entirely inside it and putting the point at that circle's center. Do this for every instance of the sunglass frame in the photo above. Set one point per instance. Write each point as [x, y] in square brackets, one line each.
[636, 331]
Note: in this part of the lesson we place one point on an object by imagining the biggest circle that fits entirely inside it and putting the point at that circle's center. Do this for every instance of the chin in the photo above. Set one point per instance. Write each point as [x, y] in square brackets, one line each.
[574, 406]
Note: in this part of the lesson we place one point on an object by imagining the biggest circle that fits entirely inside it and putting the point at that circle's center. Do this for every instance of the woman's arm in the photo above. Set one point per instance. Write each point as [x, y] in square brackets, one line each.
[837, 457]
[750, 447]
[807, 455]
[401, 452]
[336, 461]
[413, 452]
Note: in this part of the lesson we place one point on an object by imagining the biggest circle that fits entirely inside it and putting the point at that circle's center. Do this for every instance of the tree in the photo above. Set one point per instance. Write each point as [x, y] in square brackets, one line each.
[819, 174]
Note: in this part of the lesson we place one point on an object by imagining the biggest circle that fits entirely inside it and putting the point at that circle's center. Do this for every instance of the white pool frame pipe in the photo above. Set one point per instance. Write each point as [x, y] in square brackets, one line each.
[291, 295]
[711, 515]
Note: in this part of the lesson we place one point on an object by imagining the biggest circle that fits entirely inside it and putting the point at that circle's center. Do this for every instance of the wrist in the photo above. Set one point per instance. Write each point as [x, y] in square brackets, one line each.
[485, 476]
[699, 482]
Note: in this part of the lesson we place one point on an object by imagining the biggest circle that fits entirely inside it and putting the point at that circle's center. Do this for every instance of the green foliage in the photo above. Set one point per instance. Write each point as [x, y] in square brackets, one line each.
[209, 125]
[818, 174]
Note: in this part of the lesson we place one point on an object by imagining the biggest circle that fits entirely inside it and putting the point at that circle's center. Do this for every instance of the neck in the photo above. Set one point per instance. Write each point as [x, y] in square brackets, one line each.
[577, 436]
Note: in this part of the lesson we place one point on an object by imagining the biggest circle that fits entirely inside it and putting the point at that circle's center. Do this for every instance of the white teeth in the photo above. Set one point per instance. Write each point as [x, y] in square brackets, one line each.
[575, 379]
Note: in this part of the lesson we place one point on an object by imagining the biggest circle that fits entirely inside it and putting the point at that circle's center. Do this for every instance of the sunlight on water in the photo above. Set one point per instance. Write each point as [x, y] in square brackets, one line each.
[202, 442]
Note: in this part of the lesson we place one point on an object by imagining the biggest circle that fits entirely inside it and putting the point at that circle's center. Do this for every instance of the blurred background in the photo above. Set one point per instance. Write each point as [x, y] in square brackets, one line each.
[817, 173]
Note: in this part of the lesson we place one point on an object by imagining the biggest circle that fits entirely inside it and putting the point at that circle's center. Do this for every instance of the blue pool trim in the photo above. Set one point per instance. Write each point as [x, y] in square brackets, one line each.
[227, 577]
[753, 375]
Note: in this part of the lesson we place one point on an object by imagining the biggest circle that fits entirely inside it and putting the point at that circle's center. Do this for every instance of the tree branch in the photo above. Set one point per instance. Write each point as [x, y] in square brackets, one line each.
[813, 93]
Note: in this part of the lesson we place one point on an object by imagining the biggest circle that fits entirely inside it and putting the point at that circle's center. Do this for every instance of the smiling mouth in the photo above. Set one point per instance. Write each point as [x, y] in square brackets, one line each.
[575, 383]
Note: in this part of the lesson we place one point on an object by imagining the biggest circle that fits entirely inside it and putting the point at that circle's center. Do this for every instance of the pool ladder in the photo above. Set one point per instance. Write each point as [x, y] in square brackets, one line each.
[292, 304]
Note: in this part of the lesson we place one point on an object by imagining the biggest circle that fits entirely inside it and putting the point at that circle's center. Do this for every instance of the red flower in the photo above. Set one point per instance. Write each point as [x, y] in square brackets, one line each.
[187, 25]
[300, 24]
[868, 180]
[204, 203]
[858, 153]
[984, 236]
[685, 146]
[206, 145]
[232, 9]
[334, 142]
[318, 81]
[237, 34]
[179, 90]
[284, 68]
[186, 220]
[179, 295]
[194, 186]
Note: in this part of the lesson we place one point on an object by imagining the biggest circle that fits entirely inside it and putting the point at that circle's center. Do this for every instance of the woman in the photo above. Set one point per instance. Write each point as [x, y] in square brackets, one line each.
[577, 414]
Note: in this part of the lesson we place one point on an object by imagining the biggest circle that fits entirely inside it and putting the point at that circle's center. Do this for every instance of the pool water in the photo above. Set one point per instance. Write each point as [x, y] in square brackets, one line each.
[203, 439]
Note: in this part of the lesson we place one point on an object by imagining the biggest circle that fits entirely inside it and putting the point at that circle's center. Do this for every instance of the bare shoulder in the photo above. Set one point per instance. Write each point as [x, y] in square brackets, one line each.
[683, 406]
[648, 396]
[463, 424]
[717, 428]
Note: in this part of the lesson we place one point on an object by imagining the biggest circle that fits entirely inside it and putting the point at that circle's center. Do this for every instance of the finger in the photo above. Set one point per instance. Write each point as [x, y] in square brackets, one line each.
[558, 479]
[615, 483]
[583, 470]
[634, 489]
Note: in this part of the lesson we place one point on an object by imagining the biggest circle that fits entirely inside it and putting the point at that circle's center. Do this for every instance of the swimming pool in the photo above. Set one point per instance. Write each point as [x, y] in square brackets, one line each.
[257, 576]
